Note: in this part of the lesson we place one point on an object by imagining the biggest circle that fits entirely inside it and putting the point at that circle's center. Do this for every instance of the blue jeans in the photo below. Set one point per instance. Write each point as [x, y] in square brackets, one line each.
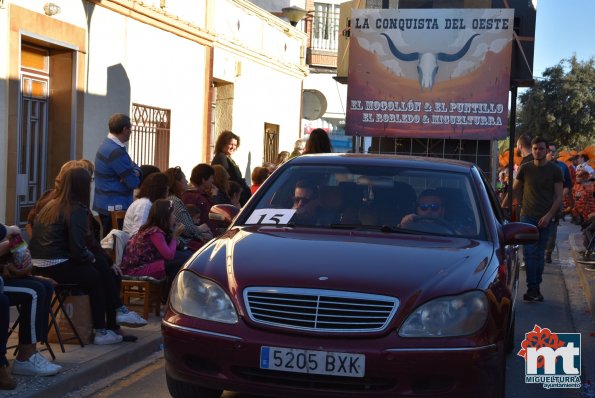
[535, 253]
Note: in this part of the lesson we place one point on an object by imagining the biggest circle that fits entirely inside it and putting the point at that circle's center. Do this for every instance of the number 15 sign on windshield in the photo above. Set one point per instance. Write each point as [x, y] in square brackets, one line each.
[429, 73]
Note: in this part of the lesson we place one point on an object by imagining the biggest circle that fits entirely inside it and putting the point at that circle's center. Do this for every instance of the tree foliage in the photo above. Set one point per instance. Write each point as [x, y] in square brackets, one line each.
[561, 106]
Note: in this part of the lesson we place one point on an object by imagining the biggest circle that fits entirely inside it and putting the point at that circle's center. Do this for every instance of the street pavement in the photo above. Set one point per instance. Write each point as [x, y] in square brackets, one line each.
[90, 365]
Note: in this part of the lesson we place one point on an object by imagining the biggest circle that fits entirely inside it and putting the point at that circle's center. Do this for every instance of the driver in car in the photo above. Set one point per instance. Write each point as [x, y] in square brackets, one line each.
[431, 210]
[429, 206]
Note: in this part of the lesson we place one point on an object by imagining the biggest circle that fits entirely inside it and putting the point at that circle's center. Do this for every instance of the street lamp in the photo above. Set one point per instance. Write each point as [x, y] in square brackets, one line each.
[293, 14]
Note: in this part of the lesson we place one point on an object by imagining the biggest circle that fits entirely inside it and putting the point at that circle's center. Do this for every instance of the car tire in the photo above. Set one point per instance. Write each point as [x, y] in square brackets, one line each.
[509, 342]
[180, 389]
[500, 391]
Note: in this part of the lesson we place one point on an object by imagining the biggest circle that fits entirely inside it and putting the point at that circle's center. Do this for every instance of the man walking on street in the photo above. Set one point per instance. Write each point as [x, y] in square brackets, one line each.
[540, 183]
[523, 149]
[552, 156]
[116, 175]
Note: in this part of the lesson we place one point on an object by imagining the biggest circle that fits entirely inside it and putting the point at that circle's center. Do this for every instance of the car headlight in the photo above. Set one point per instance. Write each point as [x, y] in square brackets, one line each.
[201, 298]
[448, 316]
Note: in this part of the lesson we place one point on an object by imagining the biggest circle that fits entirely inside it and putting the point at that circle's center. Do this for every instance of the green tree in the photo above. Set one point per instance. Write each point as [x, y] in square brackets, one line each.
[561, 106]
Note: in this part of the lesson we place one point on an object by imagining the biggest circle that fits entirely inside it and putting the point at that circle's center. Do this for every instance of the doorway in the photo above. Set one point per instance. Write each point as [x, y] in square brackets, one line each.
[32, 135]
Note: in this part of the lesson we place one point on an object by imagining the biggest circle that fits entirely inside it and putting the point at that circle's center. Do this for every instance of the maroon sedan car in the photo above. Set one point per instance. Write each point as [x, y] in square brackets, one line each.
[351, 275]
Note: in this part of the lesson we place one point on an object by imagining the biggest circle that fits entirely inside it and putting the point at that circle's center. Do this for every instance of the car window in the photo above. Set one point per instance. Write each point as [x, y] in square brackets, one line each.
[368, 197]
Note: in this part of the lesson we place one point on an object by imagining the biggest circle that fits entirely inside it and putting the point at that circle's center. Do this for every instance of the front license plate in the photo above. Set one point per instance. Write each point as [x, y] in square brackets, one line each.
[315, 362]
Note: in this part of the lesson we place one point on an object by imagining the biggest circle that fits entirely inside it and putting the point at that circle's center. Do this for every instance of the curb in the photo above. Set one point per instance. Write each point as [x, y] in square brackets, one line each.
[586, 278]
[89, 372]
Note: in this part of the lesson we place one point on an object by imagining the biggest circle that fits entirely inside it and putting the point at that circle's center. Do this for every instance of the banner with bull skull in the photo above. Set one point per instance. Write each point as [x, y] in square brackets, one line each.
[429, 73]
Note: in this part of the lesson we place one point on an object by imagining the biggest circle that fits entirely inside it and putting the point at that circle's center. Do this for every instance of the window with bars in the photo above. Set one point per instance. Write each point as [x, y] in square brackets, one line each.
[149, 141]
[325, 32]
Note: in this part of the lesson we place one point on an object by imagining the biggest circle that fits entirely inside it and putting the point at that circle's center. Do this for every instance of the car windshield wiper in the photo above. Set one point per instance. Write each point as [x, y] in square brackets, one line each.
[381, 228]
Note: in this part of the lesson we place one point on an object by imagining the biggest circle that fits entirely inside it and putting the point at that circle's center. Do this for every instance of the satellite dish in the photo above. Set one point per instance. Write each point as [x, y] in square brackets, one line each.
[313, 104]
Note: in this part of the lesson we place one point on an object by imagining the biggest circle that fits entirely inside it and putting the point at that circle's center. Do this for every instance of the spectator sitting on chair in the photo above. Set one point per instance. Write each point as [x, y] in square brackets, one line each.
[59, 249]
[259, 175]
[196, 232]
[152, 250]
[145, 171]
[155, 186]
[201, 191]
[33, 295]
[235, 192]
[7, 382]
[49, 194]
[221, 181]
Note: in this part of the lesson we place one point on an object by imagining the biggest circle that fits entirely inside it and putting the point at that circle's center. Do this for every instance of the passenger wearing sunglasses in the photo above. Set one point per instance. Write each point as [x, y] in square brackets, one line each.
[429, 206]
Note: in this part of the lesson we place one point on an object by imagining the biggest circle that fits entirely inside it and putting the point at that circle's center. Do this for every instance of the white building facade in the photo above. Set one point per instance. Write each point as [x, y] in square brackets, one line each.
[184, 71]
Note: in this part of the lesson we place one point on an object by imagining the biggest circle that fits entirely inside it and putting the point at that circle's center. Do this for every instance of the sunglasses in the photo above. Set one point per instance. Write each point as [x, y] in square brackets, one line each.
[429, 206]
[298, 199]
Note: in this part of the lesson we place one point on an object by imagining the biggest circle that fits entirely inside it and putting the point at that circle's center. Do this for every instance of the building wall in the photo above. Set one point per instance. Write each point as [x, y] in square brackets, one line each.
[128, 51]
[132, 62]
[25, 21]
[259, 67]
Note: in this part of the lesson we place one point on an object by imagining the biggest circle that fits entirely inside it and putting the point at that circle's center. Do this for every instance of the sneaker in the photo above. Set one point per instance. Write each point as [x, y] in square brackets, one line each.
[36, 365]
[586, 259]
[7, 382]
[104, 337]
[548, 258]
[130, 319]
[533, 295]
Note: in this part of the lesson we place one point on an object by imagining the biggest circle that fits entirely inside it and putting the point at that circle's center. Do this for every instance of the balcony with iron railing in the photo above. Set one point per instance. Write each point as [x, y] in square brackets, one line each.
[324, 38]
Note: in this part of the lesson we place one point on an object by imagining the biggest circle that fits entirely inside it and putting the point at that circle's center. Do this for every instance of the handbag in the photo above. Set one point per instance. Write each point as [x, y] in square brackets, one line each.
[78, 309]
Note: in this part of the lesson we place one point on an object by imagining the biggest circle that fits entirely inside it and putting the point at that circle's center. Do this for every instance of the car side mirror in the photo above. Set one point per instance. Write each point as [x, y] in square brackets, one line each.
[223, 212]
[519, 233]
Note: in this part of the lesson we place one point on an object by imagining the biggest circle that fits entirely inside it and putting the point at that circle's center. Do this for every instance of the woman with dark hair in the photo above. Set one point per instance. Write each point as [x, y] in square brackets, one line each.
[221, 183]
[194, 235]
[235, 191]
[318, 142]
[199, 195]
[226, 145]
[152, 251]
[155, 186]
[59, 250]
[49, 194]
[259, 174]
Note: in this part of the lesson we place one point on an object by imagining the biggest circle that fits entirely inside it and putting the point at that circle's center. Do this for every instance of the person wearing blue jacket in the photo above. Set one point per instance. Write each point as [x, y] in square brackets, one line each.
[116, 175]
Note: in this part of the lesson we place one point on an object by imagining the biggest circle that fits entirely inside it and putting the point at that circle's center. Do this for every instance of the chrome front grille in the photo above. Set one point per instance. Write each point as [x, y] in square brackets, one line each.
[319, 310]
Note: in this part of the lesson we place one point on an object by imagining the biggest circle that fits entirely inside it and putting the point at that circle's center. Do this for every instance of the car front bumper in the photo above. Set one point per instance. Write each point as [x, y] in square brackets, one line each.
[225, 361]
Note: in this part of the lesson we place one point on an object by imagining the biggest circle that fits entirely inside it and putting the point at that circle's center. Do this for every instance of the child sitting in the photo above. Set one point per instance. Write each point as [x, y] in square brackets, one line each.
[152, 250]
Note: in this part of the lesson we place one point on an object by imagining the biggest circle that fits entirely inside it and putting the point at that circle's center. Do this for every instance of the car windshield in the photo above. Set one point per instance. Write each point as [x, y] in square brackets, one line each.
[389, 199]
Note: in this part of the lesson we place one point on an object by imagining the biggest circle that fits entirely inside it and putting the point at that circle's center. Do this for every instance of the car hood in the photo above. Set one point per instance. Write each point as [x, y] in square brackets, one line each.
[413, 268]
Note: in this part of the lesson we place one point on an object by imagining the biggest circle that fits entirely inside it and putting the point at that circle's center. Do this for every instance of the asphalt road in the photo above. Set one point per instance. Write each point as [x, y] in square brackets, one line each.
[563, 311]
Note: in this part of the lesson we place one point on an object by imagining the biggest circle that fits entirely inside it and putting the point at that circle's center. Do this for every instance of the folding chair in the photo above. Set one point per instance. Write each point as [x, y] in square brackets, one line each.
[60, 293]
[16, 323]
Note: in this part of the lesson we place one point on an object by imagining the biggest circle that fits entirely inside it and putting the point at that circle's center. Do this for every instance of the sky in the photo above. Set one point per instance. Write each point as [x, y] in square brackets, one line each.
[563, 28]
